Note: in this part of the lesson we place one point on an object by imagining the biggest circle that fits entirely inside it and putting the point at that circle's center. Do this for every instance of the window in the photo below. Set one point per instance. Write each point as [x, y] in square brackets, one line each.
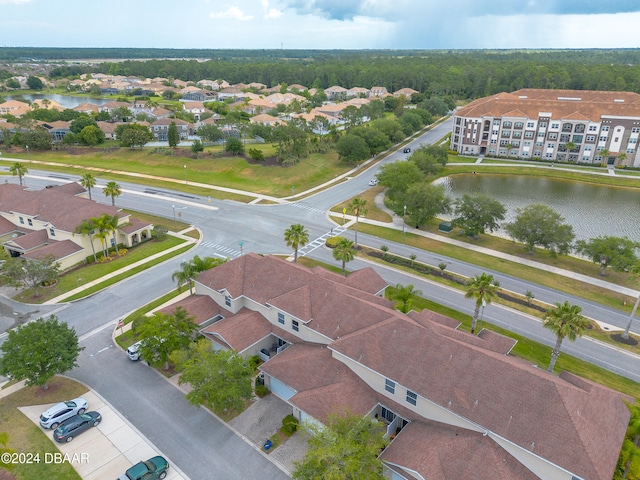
[528, 134]
[227, 301]
[566, 127]
[295, 326]
[579, 128]
[591, 138]
[541, 134]
[29, 222]
[555, 125]
[22, 220]
[553, 136]
[539, 144]
[503, 142]
[630, 150]
[603, 139]
[281, 318]
[518, 125]
[506, 124]
[506, 133]
[390, 386]
[543, 124]
[577, 139]
[530, 124]
[515, 144]
[412, 397]
[527, 144]
[633, 140]
[536, 153]
[593, 128]
[52, 232]
[635, 130]
[617, 139]
[494, 141]
[517, 134]
[550, 145]
[564, 138]
[605, 128]
[496, 122]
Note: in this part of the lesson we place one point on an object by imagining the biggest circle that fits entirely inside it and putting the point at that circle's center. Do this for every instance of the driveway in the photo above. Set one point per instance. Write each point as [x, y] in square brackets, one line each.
[264, 418]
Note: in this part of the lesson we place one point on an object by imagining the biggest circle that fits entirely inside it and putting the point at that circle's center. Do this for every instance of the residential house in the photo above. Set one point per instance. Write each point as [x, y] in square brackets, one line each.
[336, 93]
[57, 129]
[555, 125]
[46, 104]
[111, 107]
[35, 223]
[267, 120]
[195, 94]
[160, 128]
[195, 108]
[378, 92]
[257, 105]
[231, 92]
[454, 405]
[407, 92]
[257, 86]
[296, 87]
[14, 107]
[284, 98]
[358, 92]
[88, 108]
[109, 129]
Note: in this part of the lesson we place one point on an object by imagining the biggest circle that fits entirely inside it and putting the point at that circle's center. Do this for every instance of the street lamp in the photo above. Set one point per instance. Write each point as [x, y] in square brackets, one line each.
[174, 215]
[185, 175]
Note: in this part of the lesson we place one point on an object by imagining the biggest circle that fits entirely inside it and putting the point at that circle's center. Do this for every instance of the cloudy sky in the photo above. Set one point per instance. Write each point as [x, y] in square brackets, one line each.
[321, 24]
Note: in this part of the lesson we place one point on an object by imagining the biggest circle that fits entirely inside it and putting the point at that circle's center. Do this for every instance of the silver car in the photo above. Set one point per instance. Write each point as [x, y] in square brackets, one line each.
[55, 415]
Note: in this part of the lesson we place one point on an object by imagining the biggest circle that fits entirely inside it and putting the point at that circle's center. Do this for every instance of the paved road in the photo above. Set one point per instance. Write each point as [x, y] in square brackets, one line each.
[200, 446]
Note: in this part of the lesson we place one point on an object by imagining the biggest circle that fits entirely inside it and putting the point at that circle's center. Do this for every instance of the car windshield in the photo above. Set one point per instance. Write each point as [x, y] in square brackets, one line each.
[70, 404]
[150, 466]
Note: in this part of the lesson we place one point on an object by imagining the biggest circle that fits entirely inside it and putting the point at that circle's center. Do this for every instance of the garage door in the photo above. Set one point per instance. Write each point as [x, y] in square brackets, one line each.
[281, 390]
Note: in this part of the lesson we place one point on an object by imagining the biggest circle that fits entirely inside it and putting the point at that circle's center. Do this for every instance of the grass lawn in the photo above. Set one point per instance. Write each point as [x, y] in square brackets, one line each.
[232, 172]
[25, 436]
[158, 220]
[90, 272]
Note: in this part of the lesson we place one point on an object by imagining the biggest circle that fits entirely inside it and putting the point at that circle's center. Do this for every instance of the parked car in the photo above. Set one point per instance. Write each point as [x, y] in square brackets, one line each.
[75, 425]
[153, 469]
[57, 414]
[373, 182]
[133, 351]
[407, 150]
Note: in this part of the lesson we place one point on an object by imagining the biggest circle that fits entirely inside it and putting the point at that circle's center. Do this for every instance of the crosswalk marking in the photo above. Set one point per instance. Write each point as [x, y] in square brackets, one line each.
[306, 206]
[231, 252]
[318, 242]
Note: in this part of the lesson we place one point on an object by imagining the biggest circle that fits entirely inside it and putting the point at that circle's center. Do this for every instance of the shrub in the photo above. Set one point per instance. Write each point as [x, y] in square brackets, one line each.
[289, 425]
[254, 361]
[262, 391]
[256, 154]
[332, 242]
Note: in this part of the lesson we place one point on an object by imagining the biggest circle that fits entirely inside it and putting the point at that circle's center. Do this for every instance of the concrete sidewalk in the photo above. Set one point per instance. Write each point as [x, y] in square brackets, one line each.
[70, 293]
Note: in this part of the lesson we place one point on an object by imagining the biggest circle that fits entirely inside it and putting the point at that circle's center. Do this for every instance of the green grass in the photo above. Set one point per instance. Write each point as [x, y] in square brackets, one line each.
[90, 272]
[25, 436]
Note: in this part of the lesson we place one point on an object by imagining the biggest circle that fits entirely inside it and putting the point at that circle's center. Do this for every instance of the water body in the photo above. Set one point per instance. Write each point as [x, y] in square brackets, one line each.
[592, 210]
[66, 101]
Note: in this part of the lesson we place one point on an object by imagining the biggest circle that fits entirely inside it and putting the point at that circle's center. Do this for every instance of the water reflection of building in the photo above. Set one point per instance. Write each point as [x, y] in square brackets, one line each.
[565, 125]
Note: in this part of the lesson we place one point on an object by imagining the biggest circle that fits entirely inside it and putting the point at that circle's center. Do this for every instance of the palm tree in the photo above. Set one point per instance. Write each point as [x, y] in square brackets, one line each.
[113, 228]
[88, 227]
[359, 207]
[403, 296]
[18, 169]
[103, 227]
[184, 275]
[203, 264]
[113, 190]
[88, 181]
[630, 453]
[344, 252]
[296, 236]
[565, 321]
[484, 289]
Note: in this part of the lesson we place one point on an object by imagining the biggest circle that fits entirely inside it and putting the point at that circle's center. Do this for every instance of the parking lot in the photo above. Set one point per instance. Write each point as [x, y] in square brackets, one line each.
[106, 451]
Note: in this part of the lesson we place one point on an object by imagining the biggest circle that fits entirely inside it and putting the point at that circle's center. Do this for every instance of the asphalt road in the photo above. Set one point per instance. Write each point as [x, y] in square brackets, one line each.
[193, 440]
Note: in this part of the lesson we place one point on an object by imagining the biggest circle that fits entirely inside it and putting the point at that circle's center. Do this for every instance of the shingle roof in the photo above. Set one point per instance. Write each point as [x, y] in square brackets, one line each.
[554, 417]
[442, 452]
[59, 206]
[59, 250]
[201, 307]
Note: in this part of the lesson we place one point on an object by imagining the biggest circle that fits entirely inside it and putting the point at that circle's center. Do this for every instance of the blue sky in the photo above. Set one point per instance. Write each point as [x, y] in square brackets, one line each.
[321, 24]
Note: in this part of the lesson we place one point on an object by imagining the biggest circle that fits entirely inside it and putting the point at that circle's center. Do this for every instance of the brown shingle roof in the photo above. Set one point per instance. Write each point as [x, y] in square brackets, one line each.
[323, 384]
[59, 250]
[201, 307]
[442, 452]
[241, 330]
[553, 417]
[59, 206]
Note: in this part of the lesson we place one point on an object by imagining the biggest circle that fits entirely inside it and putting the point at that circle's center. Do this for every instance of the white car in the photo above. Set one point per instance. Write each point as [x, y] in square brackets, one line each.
[132, 351]
[373, 182]
[55, 415]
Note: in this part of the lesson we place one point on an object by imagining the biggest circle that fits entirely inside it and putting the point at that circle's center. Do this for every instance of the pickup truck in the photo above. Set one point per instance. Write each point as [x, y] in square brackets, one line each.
[153, 469]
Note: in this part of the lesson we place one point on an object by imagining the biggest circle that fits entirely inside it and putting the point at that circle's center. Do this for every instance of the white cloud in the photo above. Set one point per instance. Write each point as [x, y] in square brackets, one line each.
[270, 13]
[233, 13]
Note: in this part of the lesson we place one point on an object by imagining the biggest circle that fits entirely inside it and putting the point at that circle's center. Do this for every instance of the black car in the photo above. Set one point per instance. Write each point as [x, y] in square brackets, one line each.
[407, 150]
[75, 426]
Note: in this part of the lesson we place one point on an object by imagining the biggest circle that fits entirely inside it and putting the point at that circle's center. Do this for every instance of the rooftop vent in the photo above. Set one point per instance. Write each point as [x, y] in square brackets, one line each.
[522, 96]
[570, 99]
[618, 100]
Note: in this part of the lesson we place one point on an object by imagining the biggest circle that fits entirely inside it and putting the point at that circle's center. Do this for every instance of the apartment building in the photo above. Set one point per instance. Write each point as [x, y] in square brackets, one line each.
[573, 126]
